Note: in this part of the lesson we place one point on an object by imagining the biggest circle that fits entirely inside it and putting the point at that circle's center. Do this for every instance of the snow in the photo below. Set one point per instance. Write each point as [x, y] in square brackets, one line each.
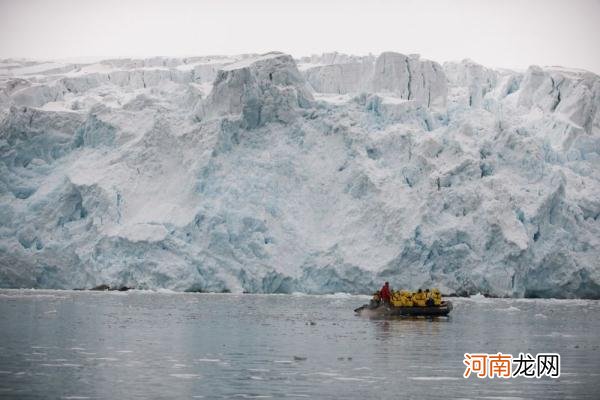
[328, 174]
[333, 98]
[245, 63]
[36, 68]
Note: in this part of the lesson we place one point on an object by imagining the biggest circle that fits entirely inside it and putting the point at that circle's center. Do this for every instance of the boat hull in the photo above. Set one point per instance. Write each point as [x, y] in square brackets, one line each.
[389, 311]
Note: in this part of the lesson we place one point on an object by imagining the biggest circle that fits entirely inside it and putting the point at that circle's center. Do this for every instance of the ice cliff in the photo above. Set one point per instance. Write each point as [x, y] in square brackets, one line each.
[324, 174]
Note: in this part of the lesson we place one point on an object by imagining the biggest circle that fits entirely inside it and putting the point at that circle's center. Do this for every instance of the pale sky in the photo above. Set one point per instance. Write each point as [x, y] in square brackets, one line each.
[507, 33]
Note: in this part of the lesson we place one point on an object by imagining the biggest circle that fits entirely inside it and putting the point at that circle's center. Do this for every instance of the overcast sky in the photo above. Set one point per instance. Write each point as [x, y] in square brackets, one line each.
[507, 33]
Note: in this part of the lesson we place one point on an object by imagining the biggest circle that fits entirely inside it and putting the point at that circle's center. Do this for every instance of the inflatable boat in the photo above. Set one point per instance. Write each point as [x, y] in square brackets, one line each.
[385, 310]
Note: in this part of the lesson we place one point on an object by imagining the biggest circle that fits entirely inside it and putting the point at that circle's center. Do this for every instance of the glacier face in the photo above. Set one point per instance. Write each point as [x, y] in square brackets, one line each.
[323, 174]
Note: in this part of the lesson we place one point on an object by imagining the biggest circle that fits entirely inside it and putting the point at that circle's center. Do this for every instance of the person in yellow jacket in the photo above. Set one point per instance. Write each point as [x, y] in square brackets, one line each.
[396, 299]
[429, 298]
[406, 298]
[419, 298]
[437, 297]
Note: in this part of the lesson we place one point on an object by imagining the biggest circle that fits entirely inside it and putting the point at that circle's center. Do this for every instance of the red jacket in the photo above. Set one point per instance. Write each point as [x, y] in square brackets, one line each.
[384, 293]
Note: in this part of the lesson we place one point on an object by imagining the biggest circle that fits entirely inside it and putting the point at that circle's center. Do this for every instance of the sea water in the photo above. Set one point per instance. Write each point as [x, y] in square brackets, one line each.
[139, 344]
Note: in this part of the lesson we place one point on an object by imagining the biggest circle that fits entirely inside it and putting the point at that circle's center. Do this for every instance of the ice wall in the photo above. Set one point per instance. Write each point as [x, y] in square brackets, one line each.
[406, 77]
[474, 80]
[333, 173]
[265, 89]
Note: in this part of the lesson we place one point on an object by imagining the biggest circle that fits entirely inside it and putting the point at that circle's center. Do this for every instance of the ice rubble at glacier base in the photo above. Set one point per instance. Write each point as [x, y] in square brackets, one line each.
[324, 174]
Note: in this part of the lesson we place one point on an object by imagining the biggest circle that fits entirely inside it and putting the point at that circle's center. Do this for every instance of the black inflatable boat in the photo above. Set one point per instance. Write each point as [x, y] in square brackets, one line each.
[383, 310]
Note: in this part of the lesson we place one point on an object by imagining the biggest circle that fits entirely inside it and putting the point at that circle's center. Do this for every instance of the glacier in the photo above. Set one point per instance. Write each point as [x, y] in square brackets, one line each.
[329, 173]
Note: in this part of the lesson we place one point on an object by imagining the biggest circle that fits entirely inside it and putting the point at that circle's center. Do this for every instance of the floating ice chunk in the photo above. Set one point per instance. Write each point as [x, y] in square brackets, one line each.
[185, 376]
[478, 297]
[347, 378]
[510, 309]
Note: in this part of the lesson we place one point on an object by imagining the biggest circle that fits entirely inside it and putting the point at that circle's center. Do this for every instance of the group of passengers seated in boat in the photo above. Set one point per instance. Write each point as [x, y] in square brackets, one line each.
[405, 298]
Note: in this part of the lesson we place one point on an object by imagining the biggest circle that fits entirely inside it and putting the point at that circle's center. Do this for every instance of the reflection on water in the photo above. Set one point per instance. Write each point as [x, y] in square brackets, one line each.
[58, 344]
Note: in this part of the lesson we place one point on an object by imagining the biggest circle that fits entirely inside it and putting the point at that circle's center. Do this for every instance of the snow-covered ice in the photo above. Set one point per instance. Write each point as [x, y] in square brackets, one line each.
[331, 173]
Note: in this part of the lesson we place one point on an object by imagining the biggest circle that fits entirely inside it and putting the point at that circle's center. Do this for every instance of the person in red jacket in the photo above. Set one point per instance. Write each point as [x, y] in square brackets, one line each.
[385, 293]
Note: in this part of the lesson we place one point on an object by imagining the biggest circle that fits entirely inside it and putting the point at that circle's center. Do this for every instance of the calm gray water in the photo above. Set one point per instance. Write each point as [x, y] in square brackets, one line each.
[61, 344]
